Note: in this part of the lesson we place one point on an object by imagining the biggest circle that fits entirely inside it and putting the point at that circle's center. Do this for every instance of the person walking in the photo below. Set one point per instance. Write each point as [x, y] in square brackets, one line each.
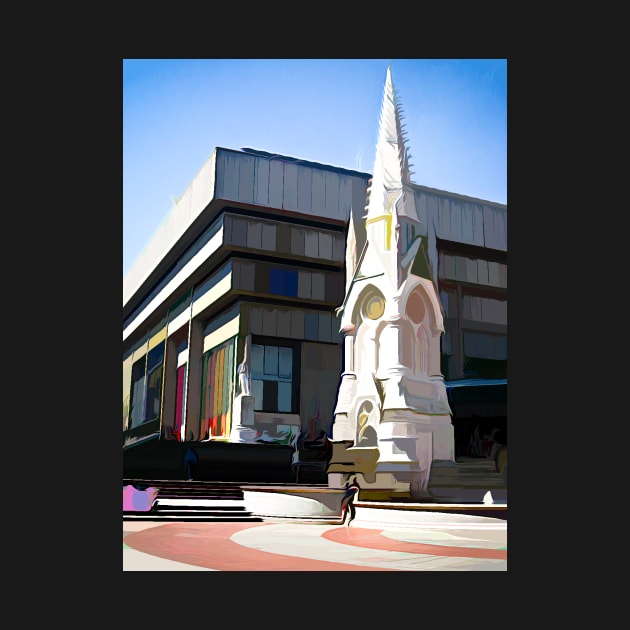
[348, 510]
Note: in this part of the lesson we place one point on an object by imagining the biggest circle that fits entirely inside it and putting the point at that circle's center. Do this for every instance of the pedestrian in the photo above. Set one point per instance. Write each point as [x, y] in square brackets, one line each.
[348, 510]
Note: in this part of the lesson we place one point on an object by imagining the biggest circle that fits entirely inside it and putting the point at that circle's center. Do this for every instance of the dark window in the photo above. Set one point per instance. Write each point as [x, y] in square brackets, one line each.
[155, 370]
[261, 277]
[136, 403]
[333, 288]
[283, 238]
[283, 282]
[311, 326]
[146, 387]
[275, 377]
[485, 355]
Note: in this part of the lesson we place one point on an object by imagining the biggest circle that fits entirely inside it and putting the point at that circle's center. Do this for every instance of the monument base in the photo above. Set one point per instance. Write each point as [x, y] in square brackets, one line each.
[242, 433]
[243, 429]
[409, 443]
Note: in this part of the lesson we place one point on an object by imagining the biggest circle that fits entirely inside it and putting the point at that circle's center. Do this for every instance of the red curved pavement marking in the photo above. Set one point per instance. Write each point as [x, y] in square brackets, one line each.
[209, 546]
[373, 539]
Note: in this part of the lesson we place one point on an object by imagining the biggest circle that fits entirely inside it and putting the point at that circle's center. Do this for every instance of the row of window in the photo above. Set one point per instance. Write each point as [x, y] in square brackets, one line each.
[482, 309]
[273, 385]
[474, 270]
[275, 369]
[263, 277]
[146, 387]
[485, 346]
[274, 380]
[295, 324]
[284, 238]
[484, 355]
[252, 233]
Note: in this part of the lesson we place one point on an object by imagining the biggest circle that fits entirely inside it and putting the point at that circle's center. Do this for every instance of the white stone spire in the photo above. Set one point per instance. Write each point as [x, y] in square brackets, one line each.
[391, 220]
[391, 164]
[392, 398]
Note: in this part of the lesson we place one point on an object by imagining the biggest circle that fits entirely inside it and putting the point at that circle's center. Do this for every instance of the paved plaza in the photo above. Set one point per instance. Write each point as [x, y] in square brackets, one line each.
[377, 540]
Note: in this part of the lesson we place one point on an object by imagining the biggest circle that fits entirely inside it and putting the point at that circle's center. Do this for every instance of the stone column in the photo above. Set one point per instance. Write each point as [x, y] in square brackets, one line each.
[343, 427]
[243, 429]
[395, 361]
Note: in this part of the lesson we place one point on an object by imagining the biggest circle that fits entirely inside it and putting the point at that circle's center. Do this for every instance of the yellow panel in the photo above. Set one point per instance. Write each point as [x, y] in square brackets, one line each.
[156, 339]
[388, 227]
[139, 352]
[212, 295]
[230, 329]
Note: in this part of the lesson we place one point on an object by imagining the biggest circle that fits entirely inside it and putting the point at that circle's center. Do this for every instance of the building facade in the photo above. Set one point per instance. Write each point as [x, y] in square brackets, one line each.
[232, 314]
[250, 260]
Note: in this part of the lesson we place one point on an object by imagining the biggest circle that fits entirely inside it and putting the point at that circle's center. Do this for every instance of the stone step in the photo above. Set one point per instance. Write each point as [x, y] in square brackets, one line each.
[480, 485]
[185, 489]
[468, 474]
[192, 509]
[185, 516]
[452, 472]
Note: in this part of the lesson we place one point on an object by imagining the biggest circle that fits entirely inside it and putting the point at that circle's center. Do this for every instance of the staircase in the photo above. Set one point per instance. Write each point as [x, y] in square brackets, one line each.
[192, 501]
[468, 480]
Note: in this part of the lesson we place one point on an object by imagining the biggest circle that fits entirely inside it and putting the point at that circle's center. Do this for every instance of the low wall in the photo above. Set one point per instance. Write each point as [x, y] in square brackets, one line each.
[243, 462]
[209, 461]
[298, 502]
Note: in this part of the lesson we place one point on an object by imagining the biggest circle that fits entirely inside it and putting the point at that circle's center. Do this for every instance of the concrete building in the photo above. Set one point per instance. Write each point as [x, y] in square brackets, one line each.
[232, 314]
[251, 259]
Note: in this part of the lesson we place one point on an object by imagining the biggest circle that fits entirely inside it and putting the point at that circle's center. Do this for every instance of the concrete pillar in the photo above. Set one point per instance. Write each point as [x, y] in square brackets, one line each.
[170, 389]
[193, 385]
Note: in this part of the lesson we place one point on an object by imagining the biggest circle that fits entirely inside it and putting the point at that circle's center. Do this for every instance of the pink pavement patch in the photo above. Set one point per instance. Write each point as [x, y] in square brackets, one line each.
[135, 500]
[373, 539]
[208, 545]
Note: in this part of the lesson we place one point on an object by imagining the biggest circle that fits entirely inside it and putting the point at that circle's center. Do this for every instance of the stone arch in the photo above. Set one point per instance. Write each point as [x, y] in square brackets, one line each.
[364, 305]
[422, 305]
[366, 318]
[367, 423]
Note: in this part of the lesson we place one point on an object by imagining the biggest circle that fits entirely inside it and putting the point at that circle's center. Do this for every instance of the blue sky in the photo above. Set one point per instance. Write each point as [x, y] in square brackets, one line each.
[176, 111]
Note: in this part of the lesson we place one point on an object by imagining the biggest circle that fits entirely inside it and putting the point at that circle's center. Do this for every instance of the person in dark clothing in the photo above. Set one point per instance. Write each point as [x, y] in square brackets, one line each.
[348, 511]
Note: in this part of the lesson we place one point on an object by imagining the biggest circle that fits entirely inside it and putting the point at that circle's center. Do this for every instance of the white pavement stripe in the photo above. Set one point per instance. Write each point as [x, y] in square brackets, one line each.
[308, 543]
[491, 539]
[390, 524]
[419, 518]
[472, 564]
[202, 502]
[134, 560]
